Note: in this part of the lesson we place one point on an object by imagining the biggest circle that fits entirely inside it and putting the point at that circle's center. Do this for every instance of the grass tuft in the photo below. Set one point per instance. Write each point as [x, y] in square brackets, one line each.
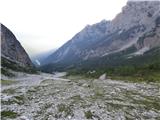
[88, 114]
[9, 114]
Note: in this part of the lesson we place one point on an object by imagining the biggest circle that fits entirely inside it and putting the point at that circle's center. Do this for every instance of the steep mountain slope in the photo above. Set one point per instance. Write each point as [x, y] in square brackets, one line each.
[135, 30]
[76, 48]
[13, 55]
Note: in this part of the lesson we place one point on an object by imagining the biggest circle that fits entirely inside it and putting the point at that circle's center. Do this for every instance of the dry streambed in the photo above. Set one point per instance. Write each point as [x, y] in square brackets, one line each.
[44, 97]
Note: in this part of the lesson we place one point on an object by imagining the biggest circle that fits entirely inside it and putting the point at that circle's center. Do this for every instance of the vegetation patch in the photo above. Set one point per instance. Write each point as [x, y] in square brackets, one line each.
[7, 82]
[140, 77]
[16, 99]
[65, 109]
[149, 104]
[9, 114]
[7, 102]
[19, 98]
[149, 72]
[89, 114]
[9, 91]
[6, 72]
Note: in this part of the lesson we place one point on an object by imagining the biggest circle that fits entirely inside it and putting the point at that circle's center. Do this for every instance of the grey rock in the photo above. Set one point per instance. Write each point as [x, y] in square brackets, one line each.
[11, 48]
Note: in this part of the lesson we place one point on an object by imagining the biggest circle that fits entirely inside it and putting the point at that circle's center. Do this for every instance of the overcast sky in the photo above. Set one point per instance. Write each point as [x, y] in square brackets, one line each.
[42, 25]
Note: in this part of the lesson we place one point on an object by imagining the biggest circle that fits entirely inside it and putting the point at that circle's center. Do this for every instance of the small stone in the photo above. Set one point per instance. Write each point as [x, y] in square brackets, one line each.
[69, 117]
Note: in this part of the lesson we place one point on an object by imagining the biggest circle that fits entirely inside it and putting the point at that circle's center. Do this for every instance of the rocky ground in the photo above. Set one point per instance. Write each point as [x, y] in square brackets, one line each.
[49, 97]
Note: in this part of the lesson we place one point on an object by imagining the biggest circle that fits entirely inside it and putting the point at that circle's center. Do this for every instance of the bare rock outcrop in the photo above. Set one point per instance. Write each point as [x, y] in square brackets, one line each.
[12, 50]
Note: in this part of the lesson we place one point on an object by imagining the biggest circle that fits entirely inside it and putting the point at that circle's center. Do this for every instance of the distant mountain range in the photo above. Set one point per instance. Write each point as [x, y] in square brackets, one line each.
[133, 37]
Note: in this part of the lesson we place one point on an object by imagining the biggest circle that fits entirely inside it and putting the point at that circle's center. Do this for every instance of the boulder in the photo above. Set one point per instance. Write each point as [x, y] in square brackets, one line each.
[103, 77]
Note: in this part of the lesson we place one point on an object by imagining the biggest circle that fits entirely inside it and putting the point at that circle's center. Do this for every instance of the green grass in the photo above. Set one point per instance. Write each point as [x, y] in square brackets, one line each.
[7, 82]
[88, 114]
[145, 73]
[9, 114]
[19, 98]
[147, 77]
[152, 104]
[16, 99]
[149, 103]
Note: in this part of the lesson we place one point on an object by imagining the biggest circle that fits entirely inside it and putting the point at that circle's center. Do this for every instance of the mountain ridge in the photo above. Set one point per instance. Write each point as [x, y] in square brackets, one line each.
[136, 26]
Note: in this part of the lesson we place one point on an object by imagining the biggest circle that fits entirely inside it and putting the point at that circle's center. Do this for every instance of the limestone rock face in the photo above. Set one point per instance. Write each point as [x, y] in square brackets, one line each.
[12, 50]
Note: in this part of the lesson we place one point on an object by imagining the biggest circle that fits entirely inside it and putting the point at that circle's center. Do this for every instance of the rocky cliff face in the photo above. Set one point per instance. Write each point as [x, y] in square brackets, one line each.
[137, 21]
[137, 26]
[12, 50]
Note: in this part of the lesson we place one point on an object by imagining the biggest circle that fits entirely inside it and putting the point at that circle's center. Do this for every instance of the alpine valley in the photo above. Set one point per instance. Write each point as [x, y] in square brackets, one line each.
[108, 71]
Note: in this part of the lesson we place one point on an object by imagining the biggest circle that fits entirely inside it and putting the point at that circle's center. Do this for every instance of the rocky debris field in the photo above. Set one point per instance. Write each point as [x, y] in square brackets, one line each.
[48, 97]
